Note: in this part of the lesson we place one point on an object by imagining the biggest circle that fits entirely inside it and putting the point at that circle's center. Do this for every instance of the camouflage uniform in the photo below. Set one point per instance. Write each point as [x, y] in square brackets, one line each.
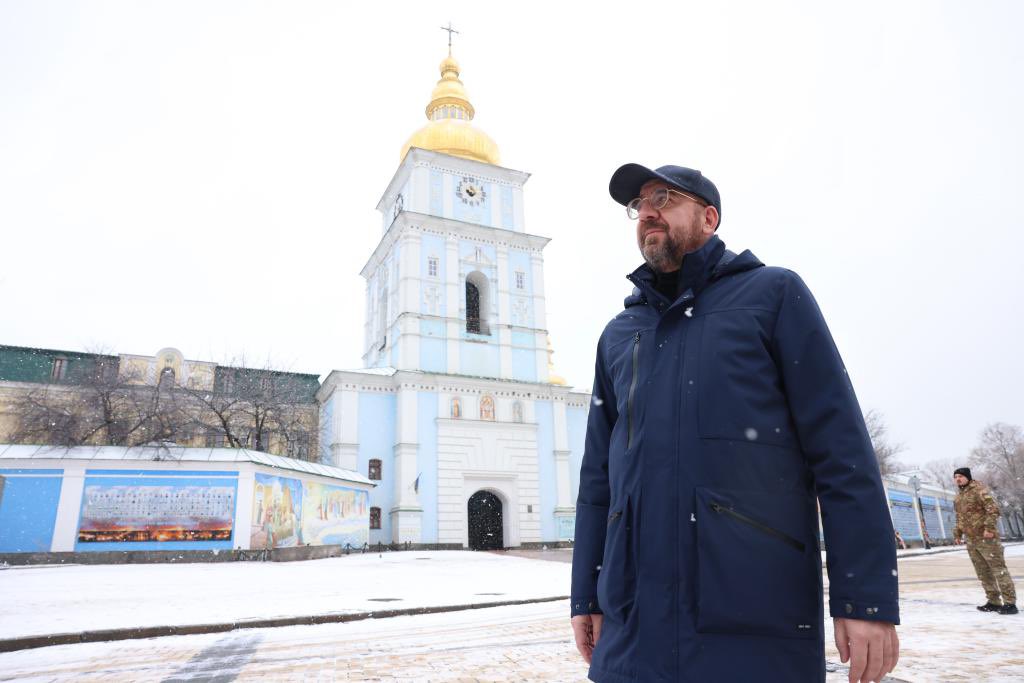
[976, 513]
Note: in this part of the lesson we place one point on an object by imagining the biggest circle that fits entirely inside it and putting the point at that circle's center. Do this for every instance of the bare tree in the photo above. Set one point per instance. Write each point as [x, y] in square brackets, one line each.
[103, 403]
[885, 451]
[999, 461]
[102, 406]
[940, 472]
[248, 406]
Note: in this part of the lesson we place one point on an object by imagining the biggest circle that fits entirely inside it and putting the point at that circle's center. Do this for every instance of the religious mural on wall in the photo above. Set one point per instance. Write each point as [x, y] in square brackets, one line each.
[156, 507]
[276, 512]
[334, 515]
[288, 512]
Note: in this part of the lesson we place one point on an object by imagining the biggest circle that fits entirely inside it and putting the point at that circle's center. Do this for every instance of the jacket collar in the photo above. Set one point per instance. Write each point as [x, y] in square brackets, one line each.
[700, 268]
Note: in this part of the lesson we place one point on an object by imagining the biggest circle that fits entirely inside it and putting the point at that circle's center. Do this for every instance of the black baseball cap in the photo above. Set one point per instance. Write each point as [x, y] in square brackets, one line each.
[627, 180]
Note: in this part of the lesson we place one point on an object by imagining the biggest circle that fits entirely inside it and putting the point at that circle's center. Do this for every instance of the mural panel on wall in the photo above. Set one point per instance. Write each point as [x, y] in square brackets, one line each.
[156, 509]
[335, 515]
[276, 512]
[288, 512]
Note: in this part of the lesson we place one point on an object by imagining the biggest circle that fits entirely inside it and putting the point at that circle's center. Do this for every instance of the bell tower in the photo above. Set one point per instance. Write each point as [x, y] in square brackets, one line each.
[456, 284]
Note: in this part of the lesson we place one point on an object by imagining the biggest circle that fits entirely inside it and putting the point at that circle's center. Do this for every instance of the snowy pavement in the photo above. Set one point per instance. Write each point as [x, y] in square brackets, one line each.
[521, 643]
[69, 599]
[943, 637]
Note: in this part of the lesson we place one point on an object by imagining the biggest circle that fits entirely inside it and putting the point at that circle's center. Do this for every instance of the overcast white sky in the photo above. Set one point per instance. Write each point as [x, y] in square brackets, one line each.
[203, 175]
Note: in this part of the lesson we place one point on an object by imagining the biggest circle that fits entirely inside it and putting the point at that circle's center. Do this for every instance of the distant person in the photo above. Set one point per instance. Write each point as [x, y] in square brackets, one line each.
[976, 516]
[900, 543]
[721, 413]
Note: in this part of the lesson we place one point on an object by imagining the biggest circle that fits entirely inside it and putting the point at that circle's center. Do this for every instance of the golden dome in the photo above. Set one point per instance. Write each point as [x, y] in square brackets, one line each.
[449, 130]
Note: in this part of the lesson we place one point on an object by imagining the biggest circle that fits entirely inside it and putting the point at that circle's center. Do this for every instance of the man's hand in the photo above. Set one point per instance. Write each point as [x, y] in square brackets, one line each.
[958, 540]
[871, 647]
[989, 534]
[587, 629]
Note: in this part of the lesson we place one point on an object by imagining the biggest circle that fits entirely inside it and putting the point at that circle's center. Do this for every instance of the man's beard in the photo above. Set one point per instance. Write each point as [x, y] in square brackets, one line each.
[664, 255]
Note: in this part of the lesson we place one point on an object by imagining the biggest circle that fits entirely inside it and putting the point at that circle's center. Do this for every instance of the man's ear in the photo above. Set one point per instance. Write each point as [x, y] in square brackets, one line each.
[710, 219]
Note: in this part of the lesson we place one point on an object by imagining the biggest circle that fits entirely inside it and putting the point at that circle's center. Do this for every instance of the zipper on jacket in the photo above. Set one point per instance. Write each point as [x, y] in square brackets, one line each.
[789, 540]
[632, 390]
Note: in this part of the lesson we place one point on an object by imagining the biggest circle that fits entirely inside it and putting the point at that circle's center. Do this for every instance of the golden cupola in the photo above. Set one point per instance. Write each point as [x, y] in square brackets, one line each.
[448, 128]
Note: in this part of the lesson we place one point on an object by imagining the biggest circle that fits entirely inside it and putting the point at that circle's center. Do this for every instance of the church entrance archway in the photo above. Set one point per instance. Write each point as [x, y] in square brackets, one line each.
[486, 522]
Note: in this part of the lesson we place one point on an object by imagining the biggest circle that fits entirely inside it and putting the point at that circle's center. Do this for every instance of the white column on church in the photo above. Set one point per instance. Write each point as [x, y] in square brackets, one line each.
[368, 324]
[409, 283]
[345, 430]
[565, 512]
[520, 220]
[504, 315]
[419, 194]
[540, 316]
[562, 456]
[407, 514]
[453, 301]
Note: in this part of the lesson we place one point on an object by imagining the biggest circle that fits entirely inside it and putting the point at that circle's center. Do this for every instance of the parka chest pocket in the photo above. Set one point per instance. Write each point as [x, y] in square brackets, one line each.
[616, 581]
[757, 571]
[740, 394]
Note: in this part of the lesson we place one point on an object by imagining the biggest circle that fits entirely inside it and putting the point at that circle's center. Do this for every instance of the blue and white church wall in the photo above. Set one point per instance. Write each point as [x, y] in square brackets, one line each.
[442, 438]
[108, 498]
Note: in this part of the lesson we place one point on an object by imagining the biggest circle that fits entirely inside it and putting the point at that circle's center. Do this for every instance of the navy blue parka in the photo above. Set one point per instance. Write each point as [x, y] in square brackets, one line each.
[717, 422]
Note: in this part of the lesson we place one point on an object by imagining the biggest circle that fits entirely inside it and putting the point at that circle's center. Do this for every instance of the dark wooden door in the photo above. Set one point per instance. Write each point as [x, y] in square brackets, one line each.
[485, 522]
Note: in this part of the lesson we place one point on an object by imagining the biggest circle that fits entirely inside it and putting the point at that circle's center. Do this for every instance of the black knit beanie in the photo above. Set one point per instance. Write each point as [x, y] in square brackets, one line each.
[966, 471]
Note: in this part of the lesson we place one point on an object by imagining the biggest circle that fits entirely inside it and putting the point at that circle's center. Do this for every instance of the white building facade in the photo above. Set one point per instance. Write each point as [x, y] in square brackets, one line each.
[474, 441]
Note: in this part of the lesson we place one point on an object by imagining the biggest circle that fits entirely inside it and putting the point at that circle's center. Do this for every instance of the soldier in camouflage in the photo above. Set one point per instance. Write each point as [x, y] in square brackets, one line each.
[976, 515]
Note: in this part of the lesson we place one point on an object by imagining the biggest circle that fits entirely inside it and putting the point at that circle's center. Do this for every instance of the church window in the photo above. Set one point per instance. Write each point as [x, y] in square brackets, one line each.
[374, 471]
[432, 266]
[298, 448]
[374, 518]
[59, 367]
[477, 303]
[517, 411]
[166, 378]
[472, 308]
[520, 280]
[487, 408]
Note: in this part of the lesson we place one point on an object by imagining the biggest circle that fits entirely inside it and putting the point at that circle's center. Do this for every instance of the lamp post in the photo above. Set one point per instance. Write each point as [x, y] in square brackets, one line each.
[915, 481]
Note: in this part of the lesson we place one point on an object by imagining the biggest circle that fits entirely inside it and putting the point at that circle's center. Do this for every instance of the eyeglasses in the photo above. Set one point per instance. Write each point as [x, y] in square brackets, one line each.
[657, 201]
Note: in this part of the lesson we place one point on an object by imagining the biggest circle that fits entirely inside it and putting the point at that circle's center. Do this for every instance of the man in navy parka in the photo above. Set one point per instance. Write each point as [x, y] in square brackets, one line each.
[721, 413]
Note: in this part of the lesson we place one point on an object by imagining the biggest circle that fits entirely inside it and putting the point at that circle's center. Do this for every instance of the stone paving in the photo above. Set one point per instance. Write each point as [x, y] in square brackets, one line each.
[944, 639]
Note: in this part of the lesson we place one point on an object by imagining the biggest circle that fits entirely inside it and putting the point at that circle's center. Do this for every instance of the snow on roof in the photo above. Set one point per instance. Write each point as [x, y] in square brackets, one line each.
[178, 454]
[383, 372]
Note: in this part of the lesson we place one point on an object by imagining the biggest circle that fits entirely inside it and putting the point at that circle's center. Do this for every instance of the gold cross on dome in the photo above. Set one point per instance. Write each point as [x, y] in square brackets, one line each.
[450, 32]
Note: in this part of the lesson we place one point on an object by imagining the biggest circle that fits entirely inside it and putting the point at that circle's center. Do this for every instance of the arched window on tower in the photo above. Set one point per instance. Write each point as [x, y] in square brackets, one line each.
[477, 303]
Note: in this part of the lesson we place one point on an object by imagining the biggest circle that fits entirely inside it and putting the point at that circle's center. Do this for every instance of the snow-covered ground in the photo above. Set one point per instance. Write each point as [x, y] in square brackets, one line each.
[69, 599]
[944, 638]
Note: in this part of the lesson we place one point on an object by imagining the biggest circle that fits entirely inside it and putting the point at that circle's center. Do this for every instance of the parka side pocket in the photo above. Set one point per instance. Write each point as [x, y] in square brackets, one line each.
[616, 582]
[758, 571]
